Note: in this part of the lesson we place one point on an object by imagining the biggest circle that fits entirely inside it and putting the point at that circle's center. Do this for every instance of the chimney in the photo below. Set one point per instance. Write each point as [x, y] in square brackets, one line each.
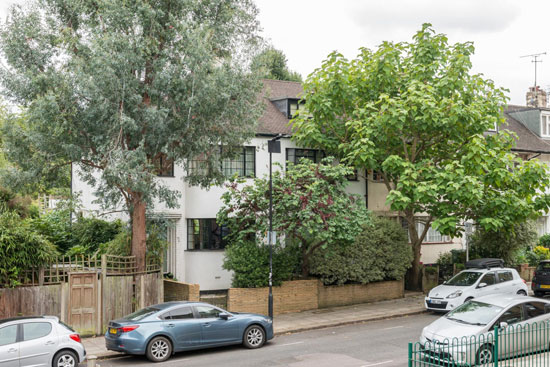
[536, 97]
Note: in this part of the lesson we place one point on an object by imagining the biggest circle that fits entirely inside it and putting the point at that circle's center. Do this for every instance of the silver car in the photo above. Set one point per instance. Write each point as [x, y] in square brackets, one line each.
[39, 341]
[465, 336]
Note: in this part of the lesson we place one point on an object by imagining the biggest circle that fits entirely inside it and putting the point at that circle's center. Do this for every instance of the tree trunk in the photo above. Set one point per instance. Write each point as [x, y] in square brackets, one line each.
[139, 234]
[305, 261]
[415, 282]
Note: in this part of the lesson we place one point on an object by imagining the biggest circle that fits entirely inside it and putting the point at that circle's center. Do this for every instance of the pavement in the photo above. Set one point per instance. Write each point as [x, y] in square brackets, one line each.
[411, 304]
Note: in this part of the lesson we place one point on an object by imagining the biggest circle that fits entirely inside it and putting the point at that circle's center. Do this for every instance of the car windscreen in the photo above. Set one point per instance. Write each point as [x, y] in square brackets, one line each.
[543, 266]
[141, 314]
[474, 313]
[464, 278]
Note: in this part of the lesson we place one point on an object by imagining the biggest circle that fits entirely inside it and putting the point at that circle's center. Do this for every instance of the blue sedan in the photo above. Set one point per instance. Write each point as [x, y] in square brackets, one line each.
[159, 331]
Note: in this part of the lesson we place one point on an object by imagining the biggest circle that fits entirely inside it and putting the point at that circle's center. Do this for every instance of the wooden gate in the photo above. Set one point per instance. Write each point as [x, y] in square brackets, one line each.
[83, 302]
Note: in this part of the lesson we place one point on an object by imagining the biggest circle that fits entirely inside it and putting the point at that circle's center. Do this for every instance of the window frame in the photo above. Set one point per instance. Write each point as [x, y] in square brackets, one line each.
[494, 273]
[504, 271]
[318, 155]
[243, 157]
[168, 315]
[420, 227]
[545, 125]
[222, 242]
[159, 166]
[198, 315]
[526, 316]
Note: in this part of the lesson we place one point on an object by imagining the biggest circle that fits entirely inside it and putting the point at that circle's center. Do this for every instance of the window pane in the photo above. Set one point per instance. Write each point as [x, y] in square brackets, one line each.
[8, 335]
[35, 330]
[242, 164]
[511, 316]
[488, 279]
[182, 313]
[505, 276]
[205, 234]
[293, 106]
[207, 312]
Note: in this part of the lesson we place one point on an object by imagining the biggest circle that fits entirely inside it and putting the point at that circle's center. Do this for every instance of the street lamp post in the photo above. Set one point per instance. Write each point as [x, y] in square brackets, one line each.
[273, 146]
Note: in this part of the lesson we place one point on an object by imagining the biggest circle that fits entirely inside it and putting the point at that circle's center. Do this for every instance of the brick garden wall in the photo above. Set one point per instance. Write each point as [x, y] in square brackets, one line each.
[178, 291]
[302, 295]
[349, 294]
[293, 296]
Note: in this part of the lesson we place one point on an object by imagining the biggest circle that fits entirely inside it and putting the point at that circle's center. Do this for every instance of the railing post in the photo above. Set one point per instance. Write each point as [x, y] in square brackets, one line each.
[495, 347]
[410, 354]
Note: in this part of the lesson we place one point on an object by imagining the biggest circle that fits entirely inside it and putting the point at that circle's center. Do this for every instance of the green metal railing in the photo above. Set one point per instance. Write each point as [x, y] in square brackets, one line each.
[519, 345]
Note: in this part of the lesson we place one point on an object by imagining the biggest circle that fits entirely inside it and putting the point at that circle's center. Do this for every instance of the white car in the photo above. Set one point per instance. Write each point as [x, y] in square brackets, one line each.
[465, 336]
[474, 283]
[39, 341]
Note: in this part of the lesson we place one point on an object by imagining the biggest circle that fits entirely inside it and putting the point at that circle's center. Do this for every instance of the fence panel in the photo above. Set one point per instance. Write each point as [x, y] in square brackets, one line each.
[149, 289]
[39, 300]
[118, 298]
[518, 345]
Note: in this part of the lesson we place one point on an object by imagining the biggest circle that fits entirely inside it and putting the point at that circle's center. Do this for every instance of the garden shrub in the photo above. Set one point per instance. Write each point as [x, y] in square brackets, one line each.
[380, 252]
[544, 240]
[21, 248]
[537, 254]
[502, 244]
[249, 262]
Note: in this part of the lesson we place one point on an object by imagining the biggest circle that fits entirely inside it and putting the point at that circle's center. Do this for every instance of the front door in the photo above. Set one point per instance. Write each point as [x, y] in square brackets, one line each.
[184, 327]
[38, 344]
[216, 330]
[9, 347]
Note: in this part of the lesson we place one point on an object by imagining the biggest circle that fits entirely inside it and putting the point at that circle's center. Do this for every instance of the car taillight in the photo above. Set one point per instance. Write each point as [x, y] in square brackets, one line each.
[126, 329]
[75, 337]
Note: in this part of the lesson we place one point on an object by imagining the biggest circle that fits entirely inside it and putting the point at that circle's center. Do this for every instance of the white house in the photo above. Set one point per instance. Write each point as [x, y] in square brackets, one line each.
[196, 242]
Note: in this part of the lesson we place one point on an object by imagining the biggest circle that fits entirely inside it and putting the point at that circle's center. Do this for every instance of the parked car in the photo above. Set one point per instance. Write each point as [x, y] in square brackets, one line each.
[159, 331]
[39, 341]
[465, 336]
[541, 280]
[480, 278]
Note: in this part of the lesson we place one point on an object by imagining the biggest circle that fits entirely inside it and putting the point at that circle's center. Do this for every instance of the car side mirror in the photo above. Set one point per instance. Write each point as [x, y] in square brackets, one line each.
[503, 325]
[224, 316]
[482, 285]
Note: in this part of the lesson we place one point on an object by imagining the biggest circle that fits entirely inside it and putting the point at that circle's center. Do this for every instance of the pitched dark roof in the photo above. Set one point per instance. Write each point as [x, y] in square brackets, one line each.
[273, 121]
[527, 141]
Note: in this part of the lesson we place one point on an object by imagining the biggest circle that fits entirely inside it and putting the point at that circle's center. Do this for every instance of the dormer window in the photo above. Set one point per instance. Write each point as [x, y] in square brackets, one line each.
[545, 125]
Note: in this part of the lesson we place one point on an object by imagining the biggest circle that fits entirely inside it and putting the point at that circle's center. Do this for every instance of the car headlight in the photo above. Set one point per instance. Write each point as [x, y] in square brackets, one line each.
[455, 294]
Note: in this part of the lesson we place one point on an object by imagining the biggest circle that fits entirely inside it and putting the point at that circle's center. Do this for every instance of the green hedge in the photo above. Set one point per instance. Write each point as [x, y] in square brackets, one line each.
[380, 252]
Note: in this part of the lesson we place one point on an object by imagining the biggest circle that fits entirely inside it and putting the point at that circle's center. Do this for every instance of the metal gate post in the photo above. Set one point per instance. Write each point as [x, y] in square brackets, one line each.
[410, 354]
[495, 347]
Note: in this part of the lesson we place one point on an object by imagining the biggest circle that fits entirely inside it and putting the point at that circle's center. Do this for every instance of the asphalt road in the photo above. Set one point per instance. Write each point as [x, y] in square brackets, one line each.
[377, 343]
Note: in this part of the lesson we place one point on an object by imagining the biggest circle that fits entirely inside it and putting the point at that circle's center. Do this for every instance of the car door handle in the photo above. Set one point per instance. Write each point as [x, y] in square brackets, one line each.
[171, 325]
[50, 342]
[12, 350]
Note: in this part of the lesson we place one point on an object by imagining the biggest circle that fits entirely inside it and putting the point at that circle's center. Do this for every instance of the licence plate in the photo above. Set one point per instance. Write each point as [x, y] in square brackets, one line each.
[436, 301]
[112, 331]
[546, 286]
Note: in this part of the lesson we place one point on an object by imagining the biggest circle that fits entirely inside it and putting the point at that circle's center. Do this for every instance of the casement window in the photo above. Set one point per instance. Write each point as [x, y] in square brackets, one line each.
[354, 176]
[545, 125]
[433, 236]
[164, 167]
[244, 164]
[294, 155]
[205, 234]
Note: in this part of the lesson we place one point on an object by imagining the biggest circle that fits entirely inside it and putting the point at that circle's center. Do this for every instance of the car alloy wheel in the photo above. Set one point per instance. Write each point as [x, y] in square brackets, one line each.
[254, 337]
[159, 349]
[484, 355]
[65, 359]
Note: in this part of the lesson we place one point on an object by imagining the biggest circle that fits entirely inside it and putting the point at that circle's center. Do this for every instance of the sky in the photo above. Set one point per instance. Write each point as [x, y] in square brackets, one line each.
[502, 31]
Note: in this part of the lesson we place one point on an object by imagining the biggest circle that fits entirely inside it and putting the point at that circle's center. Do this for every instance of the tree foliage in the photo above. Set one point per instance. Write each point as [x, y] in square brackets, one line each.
[21, 248]
[311, 208]
[380, 252]
[503, 244]
[125, 88]
[272, 64]
[415, 112]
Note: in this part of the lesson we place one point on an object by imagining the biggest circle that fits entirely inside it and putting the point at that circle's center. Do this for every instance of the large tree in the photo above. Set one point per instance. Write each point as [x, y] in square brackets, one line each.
[415, 113]
[272, 64]
[125, 88]
[310, 208]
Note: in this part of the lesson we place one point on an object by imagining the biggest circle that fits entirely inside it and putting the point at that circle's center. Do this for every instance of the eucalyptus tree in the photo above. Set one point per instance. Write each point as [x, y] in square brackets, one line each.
[125, 88]
[415, 113]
